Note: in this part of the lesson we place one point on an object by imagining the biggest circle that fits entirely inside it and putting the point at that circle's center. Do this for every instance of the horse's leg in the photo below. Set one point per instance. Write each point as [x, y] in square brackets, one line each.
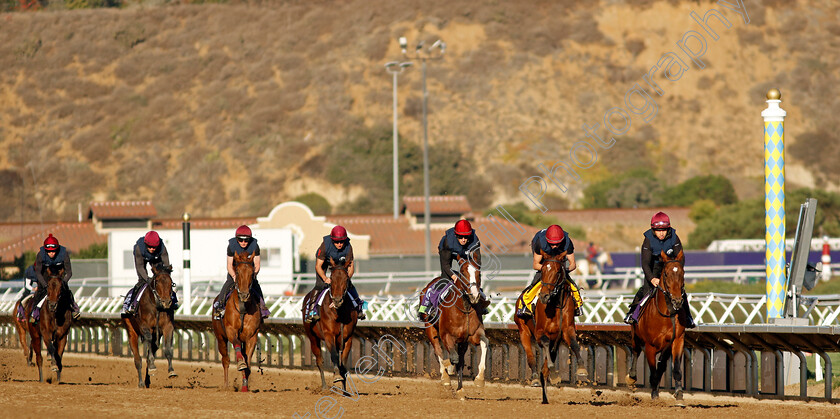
[443, 356]
[677, 348]
[222, 345]
[525, 338]
[345, 354]
[168, 336]
[570, 336]
[132, 343]
[480, 339]
[35, 342]
[462, 351]
[60, 354]
[546, 367]
[635, 351]
[650, 354]
[249, 350]
[147, 352]
[315, 346]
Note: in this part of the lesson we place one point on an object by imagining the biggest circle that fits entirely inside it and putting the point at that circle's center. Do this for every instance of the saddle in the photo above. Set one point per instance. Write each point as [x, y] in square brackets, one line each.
[22, 307]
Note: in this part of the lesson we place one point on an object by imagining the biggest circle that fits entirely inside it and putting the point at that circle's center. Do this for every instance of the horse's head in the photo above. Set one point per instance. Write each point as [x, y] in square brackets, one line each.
[162, 285]
[339, 279]
[469, 280]
[553, 273]
[243, 266]
[673, 280]
[55, 283]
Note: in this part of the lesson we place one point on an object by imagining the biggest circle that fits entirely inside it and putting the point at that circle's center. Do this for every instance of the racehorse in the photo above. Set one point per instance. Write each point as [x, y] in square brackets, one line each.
[336, 325]
[54, 323]
[659, 330]
[242, 319]
[553, 321]
[154, 318]
[457, 325]
[586, 270]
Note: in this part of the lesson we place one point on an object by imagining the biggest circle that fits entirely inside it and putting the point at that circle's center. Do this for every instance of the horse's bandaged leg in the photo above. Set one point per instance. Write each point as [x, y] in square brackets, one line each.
[473, 284]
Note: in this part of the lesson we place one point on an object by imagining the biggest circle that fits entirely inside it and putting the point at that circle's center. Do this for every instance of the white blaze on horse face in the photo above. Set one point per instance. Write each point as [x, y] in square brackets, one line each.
[676, 270]
[473, 283]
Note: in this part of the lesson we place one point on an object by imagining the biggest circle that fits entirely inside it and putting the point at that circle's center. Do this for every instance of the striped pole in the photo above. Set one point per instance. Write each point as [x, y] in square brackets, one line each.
[185, 228]
[774, 202]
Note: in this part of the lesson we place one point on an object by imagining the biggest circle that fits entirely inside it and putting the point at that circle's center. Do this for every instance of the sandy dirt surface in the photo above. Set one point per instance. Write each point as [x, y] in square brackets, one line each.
[98, 386]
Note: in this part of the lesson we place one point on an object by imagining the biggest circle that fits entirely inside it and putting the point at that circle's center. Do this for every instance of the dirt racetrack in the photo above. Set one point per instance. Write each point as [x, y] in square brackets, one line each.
[97, 386]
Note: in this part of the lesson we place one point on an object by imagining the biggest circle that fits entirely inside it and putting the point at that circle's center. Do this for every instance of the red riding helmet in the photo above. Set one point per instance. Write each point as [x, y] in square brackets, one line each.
[51, 243]
[554, 234]
[338, 233]
[463, 228]
[243, 231]
[152, 239]
[659, 221]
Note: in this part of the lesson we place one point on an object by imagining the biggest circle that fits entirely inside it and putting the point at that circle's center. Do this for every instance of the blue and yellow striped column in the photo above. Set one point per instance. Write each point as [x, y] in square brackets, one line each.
[774, 202]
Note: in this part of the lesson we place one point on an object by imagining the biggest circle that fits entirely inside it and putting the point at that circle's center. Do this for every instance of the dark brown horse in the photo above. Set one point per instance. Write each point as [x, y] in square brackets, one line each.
[153, 319]
[242, 320]
[335, 327]
[553, 321]
[54, 323]
[458, 324]
[659, 330]
[22, 327]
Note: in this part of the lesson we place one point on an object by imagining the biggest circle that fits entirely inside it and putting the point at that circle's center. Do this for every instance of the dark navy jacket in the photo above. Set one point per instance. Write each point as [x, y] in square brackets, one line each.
[449, 247]
[328, 250]
[540, 243]
[234, 247]
[142, 257]
[652, 249]
[44, 262]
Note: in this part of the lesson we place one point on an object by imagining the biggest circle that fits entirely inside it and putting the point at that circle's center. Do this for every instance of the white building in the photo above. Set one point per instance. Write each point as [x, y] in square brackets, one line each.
[208, 257]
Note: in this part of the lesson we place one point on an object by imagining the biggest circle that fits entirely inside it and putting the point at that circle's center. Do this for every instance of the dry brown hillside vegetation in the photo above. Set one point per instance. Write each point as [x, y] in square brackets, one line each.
[229, 109]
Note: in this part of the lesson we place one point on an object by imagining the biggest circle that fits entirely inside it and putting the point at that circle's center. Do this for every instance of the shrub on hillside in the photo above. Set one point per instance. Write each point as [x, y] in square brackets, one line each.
[317, 203]
[712, 187]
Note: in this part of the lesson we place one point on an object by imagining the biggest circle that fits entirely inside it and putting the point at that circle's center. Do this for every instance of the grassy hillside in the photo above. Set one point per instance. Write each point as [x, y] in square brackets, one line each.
[228, 109]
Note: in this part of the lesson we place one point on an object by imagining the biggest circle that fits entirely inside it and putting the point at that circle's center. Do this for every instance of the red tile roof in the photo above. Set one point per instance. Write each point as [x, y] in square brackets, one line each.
[73, 236]
[110, 210]
[396, 237]
[206, 223]
[454, 204]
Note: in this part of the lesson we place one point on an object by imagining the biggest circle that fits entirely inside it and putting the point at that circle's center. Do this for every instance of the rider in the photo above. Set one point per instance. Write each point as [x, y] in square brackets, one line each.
[336, 246]
[148, 249]
[243, 242]
[660, 237]
[553, 241]
[30, 285]
[53, 256]
[462, 241]
[592, 253]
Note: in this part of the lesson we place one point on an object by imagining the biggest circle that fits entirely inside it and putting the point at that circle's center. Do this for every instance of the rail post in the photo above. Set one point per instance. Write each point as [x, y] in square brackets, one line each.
[774, 203]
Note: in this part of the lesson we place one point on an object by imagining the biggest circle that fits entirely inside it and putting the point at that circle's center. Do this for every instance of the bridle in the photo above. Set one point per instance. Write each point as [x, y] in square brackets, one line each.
[243, 295]
[333, 269]
[669, 299]
[554, 289]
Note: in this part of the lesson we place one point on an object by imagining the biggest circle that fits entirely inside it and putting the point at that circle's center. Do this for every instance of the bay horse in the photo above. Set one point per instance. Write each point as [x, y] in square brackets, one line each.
[659, 330]
[553, 321]
[54, 324]
[22, 327]
[153, 319]
[242, 320]
[457, 325]
[336, 325]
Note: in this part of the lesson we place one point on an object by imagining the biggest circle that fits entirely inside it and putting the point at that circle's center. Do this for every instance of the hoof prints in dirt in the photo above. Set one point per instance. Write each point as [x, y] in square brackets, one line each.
[592, 403]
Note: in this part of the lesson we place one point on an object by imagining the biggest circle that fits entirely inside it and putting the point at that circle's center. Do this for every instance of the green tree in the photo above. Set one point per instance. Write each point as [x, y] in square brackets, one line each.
[316, 202]
[94, 251]
[712, 187]
[634, 188]
[743, 220]
[702, 209]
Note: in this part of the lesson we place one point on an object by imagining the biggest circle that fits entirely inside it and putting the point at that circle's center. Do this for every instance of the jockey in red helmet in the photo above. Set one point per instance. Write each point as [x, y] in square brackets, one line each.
[462, 241]
[553, 241]
[243, 241]
[52, 256]
[150, 250]
[660, 237]
[335, 246]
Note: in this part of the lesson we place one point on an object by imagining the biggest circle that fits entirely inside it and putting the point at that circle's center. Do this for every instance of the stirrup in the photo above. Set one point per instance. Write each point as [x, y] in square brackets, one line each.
[77, 315]
[629, 318]
[312, 316]
[578, 311]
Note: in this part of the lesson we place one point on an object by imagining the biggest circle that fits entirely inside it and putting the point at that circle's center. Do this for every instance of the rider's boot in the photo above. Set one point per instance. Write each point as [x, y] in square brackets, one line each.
[175, 304]
[688, 321]
[312, 313]
[524, 312]
[263, 309]
[482, 304]
[128, 305]
[218, 310]
[577, 298]
[36, 315]
[360, 305]
[630, 318]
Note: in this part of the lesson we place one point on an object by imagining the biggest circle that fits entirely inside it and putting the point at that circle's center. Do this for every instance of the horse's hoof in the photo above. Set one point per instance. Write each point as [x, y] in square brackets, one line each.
[536, 382]
[54, 368]
[242, 366]
[631, 383]
[173, 374]
[479, 382]
[461, 395]
[678, 394]
[244, 389]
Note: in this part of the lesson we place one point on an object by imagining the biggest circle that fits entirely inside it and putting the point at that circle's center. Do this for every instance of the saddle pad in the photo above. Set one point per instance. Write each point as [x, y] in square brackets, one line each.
[435, 293]
[320, 297]
[137, 296]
